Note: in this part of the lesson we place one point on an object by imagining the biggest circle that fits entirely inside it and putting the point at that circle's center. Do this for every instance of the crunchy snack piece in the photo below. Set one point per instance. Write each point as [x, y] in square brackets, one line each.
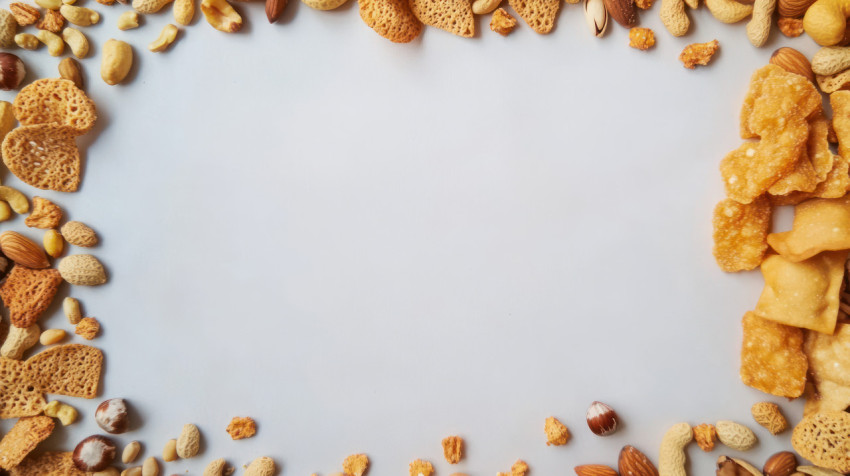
[641, 38]
[520, 468]
[391, 19]
[840, 102]
[822, 439]
[829, 367]
[27, 433]
[55, 100]
[556, 432]
[698, 54]
[539, 14]
[774, 91]
[835, 185]
[421, 468]
[831, 83]
[772, 358]
[45, 214]
[644, 4]
[355, 465]
[25, 15]
[754, 167]
[768, 415]
[72, 369]
[18, 398]
[453, 449]
[52, 21]
[502, 22]
[819, 225]
[48, 464]
[241, 427]
[28, 293]
[817, 147]
[705, 435]
[740, 233]
[803, 294]
[87, 328]
[790, 27]
[44, 156]
[453, 16]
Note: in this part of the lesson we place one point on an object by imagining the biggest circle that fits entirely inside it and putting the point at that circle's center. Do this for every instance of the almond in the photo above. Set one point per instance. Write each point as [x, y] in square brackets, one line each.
[595, 470]
[793, 61]
[793, 8]
[634, 463]
[22, 250]
[783, 463]
[274, 9]
[623, 12]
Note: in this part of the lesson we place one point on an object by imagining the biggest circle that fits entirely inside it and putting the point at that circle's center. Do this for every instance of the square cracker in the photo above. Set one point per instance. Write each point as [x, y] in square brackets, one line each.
[44, 156]
[18, 397]
[772, 358]
[28, 293]
[72, 369]
[27, 433]
[48, 464]
[740, 233]
[539, 14]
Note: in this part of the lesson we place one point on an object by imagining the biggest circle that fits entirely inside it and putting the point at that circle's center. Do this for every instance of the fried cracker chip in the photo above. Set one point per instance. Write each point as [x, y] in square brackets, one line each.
[27, 433]
[801, 179]
[44, 156]
[818, 147]
[453, 16]
[391, 19]
[753, 168]
[48, 464]
[772, 84]
[819, 225]
[840, 102]
[830, 398]
[28, 293]
[803, 294]
[539, 14]
[772, 358]
[822, 439]
[58, 101]
[836, 185]
[739, 233]
[829, 367]
[18, 397]
[73, 370]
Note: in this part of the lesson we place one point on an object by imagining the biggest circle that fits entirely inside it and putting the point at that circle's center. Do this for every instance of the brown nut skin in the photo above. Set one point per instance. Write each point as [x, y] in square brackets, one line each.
[274, 9]
[602, 419]
[94, 454]
[111, 415]
[12, 71]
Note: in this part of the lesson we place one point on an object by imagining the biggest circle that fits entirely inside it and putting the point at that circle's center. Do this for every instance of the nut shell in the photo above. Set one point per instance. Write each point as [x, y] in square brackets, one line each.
[80, 270]
[111, 415]
[601, 419]
[94, 453]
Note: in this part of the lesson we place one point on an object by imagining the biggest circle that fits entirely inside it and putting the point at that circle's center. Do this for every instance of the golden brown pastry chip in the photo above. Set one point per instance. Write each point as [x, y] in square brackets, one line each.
[829, 368]
[539, 14]
[819, 225]
[18, 397]
[391, 19]
[73, 370]
[754, 167]
[774, 86]
[803, 294]
[739, 233]
[817, 147]
[840, 102]
[58, 101]
[48, 464]
[834, 397]
[801, 179]
[453, 16]
[27, 433]
[45, 214]
[823, 439]
[836, 185]
[44, 156]
[772, 358]
[28, 293]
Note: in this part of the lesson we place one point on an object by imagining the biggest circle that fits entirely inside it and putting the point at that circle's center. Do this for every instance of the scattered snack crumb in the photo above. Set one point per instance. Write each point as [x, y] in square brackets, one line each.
[421, 468]
[641, 38]
[790, 27]
[241, 428]
[502, 22]
[705, 435]
[769, 415]
[556, 432]
[87, 328]
[520, 468]
[45, 214]
[453, 449]
[356, 465]
[698, 54]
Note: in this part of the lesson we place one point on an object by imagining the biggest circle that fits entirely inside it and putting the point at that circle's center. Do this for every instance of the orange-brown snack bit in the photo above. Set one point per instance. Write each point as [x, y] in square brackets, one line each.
[421, 468]
[772, 358]
[87, 328]
[556, 432]
[641, 38]
[790, 27]
[644, 4]
[242, 427]
[453, 449]
[829, 367]
[355, 465]
[740, 234]
[705, 435]
[698, 53]
[520, 468]
[502, 22]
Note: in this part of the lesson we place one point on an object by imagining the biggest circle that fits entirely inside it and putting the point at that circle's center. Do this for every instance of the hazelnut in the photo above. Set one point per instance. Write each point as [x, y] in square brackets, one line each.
[111, 415]
[12, 71]
[601, 419]
[94, 454]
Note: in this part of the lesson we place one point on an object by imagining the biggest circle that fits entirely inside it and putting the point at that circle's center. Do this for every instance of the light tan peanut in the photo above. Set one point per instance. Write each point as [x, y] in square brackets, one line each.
[135, 471]
[483, 7]
[77, 41]
[189, 442]
[674, 18]
[51, 336]
[758, 29]
[262, 466]
[184, 11]
[131, 452]
[19, 340]
[149, 6]
[71, 307]
[69, 69]
[768, 415]
[110, 471]
[49, 4]
[117, 61]
[735, 435]
[671, 456]
[27, 41]
[215, 468]
[165, 39]
[150, 467]
[169, 452]
[64, 412]
[728, 11]
[5, 211]
[221, 15]
[79, 16]
[831, 60]
[128, 20]
[54, 43]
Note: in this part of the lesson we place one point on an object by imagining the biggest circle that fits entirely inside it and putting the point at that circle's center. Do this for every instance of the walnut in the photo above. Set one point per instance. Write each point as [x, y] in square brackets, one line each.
[790, 27]
[52, 21]
[24, 14]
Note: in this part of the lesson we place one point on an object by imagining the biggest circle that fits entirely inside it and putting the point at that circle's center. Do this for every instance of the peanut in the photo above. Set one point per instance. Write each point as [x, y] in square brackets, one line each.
[71, 307]
[768, 415]
[117, 61]
[77, 41]
[674, 18]
[483, 7]
[262, 466]
[69, 69]
[169, 453]
[149, 6]
[826, 20]
[128, 20]
[184, 11]
[671, 458]
[8, 28]
[135, 471]
[110, 471]
[150, 467]
[728, 11]
[51, 336]
[831, 60]
[27, 41]
[221, 15]
[131, 451]
[215, 468]
[189, 441]
[79, 16]
[49, 4]
[758, 29]
[166, 38]
[55, 45]
[19, 340]
[5, 211]
[735, 435]
[64, 412]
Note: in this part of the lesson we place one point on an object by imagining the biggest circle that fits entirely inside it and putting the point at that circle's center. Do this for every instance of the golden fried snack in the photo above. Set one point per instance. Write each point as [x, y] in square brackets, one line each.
[772, 358]
[829, 367]
[821, 224]
[740, 233]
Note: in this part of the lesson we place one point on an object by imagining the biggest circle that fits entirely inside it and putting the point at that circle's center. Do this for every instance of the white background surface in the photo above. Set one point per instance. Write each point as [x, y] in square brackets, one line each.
[368, 247]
